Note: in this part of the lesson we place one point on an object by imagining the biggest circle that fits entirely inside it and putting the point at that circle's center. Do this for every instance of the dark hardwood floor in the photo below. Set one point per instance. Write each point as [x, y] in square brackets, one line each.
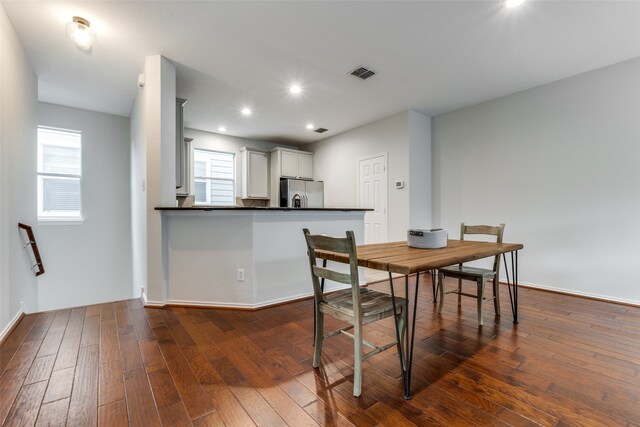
[570, 361]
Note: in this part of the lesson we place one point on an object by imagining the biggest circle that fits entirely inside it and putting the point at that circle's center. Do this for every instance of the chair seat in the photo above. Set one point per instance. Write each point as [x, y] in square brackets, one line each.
[464, 272]
[375, 305]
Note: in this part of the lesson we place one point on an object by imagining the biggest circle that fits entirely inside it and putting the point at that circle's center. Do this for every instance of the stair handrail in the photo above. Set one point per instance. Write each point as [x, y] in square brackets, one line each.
[34, 248]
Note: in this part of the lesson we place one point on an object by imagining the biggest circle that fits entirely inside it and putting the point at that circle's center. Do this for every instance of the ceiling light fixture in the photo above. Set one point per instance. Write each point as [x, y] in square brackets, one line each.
[513, 3]
[295, 89]
[310, 126]
[79, 30]
[246, 111]
[222, 129]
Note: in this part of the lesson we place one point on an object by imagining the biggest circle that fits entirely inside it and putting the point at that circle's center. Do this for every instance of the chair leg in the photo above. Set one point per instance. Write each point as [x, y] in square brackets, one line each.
[459, 294]
[319, 332]
[402, 329]
[441, 290]
[357, 359]
[480, 300]
[496, 295]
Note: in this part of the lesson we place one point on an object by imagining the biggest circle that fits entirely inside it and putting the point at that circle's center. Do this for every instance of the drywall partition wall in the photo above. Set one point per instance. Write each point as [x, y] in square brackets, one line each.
[138, 196]
[336, 163]
[90, 262]
[419, 170]
[230, 144]
[159, 133]
[18, 118]
[559, 165]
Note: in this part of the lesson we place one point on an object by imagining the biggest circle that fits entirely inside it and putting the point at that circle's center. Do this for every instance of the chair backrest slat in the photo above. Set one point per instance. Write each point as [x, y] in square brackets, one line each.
[329, 274]
[328, 243]
[484, 229]
[487, 230]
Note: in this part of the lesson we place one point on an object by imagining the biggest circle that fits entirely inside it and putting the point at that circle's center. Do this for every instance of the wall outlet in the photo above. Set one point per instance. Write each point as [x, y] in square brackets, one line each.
[240, 275]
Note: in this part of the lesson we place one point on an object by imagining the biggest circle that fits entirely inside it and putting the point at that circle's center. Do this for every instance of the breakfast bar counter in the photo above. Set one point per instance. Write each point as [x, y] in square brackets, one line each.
[243, 257]
[258, 208]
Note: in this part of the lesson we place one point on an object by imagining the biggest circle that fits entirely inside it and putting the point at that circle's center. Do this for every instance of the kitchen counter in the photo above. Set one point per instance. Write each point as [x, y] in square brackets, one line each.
[255, 208]
[243, 257]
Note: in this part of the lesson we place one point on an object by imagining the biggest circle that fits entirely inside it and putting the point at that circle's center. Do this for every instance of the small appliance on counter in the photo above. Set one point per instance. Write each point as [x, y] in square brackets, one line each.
[427, 239]
[299, 193]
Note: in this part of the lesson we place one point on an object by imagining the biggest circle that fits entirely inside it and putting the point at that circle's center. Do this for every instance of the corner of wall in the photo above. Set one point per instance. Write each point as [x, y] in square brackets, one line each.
[18, 115]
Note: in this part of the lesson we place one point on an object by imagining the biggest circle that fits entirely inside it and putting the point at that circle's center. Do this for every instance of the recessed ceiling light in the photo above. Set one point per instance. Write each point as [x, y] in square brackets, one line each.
[246, 111]
[310, 126]
[295, 89]
[222, 129]
[513, 3]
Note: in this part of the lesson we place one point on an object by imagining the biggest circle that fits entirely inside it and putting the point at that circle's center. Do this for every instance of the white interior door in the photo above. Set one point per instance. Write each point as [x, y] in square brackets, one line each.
[372, 194]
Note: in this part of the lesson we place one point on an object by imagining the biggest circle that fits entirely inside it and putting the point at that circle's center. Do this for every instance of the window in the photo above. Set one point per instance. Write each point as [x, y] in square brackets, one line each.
[214, 178]
[59, 174]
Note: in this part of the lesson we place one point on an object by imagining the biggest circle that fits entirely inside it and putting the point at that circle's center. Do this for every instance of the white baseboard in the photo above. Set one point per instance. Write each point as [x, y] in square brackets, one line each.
[12, 324]
[148, 303]
[578, 293]
[239, 305]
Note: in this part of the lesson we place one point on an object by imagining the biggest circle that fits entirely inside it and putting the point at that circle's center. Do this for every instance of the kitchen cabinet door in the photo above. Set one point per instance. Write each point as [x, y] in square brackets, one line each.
[255, 175]
[305, 166]
[289, 164]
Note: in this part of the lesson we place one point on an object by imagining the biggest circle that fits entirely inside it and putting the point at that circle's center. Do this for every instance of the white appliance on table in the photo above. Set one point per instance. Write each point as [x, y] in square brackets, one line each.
[300, 193]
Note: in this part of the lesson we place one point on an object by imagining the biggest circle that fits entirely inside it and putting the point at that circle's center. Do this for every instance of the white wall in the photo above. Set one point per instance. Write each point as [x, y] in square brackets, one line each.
[559, 165]
[18, 118]
[406, 138]
[90, 263]
[230, 144]
[336, 163]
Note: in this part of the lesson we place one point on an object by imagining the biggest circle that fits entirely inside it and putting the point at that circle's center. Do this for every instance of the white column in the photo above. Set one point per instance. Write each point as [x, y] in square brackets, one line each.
[419, 170]
[160, 133]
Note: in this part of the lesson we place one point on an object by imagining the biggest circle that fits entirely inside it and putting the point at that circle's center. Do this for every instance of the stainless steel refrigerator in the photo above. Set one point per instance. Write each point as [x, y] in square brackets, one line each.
[298, 193]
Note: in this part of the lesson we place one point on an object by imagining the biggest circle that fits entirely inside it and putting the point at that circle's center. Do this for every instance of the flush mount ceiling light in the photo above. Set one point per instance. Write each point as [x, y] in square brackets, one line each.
[310, 126]
[222, 129]
[295, 89]
[513, 3]
[79, 30]
[246, 111]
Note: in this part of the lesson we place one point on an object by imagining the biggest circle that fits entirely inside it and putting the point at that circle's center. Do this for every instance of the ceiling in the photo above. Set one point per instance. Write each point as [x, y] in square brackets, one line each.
[430, 56]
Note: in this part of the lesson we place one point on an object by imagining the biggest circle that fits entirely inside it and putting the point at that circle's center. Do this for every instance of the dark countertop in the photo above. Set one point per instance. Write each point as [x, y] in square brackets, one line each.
[253, 208]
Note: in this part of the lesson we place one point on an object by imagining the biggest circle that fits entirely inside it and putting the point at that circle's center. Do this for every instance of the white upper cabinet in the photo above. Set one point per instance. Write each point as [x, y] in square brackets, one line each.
[288, 164]
[255, 174]
[305, 165]
[292, 163]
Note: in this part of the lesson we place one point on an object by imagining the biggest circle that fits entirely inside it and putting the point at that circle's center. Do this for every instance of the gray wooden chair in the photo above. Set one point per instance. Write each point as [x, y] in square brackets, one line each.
[478, 275]
[356, 305]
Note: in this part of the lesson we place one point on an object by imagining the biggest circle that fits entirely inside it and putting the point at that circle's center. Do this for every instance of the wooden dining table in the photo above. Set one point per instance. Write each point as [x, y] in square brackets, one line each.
[399, 258]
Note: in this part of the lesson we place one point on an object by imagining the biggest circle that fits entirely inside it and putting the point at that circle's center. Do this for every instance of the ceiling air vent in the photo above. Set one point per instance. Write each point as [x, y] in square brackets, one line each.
[321, 130]
[362, 73]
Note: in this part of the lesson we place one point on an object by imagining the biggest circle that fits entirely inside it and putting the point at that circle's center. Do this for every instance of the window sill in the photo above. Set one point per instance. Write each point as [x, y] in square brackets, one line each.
[61, 221]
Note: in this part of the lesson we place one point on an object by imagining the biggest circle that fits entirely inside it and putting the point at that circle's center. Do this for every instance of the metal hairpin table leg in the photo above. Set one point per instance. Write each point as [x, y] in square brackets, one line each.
[406, 354]
[513, 296]
[434, 285]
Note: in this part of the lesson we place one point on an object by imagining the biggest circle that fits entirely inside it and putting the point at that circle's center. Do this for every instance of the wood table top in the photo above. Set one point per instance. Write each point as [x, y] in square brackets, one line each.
[397, 257]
